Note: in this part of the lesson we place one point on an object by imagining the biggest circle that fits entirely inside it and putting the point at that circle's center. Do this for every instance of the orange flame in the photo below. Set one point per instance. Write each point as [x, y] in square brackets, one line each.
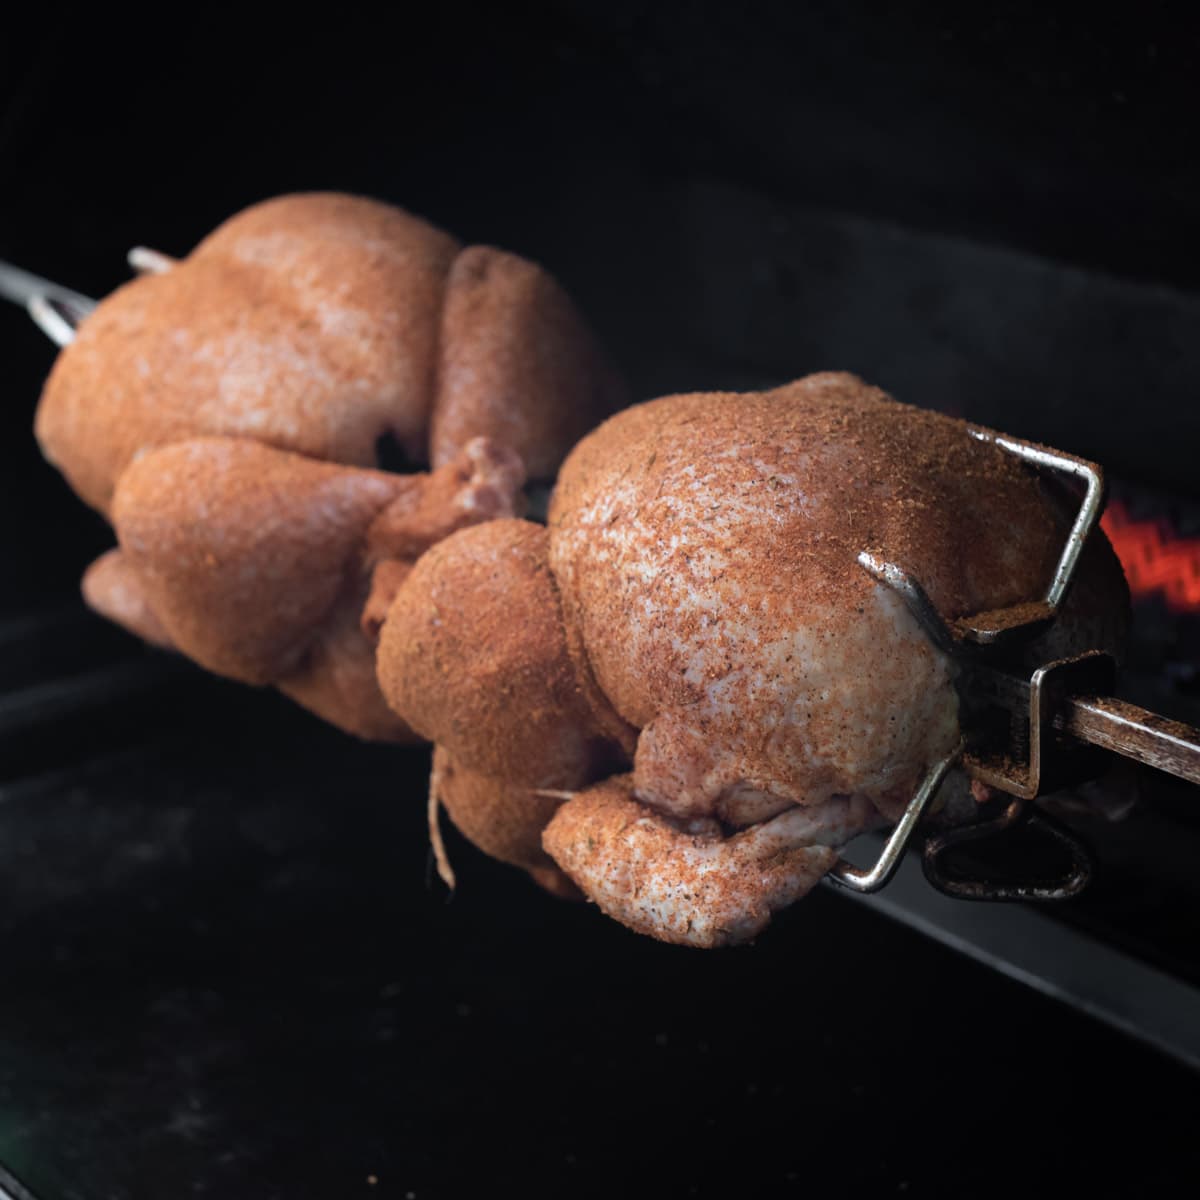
[1155, 558]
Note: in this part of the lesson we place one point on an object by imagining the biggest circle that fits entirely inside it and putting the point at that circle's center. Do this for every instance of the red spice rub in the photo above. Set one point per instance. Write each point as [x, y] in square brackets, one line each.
[792, 484]
[308, 323]
[474, 655]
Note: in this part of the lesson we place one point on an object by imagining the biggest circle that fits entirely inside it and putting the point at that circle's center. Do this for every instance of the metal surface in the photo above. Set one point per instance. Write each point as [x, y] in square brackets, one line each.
[1052, 957]
[938, 871]
[876, 877]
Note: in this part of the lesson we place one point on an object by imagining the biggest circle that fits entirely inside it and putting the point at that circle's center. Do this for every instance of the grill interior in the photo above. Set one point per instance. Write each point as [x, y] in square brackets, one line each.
[226, 964]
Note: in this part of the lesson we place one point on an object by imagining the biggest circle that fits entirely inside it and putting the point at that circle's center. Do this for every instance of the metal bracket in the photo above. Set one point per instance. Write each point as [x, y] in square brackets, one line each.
[988, 627]
[933, 859]
[915, 598]
[1019, 622]
[1051, 761]
[857, 880]
[1029, 707]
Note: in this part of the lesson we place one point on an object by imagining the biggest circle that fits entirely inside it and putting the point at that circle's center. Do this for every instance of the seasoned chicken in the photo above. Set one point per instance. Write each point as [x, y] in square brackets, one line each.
[744, 698]
[229, 414]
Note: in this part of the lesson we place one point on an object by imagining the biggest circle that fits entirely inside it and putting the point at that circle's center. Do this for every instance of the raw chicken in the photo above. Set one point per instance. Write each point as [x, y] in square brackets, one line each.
[228, 416]
[732, 697]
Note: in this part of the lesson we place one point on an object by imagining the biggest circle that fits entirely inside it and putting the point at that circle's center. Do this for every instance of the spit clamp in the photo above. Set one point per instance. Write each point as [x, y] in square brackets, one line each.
[1027, 732]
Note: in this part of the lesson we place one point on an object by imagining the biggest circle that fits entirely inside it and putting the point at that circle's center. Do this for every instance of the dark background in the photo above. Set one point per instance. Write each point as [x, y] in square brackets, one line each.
[225, 968]
[736, 196]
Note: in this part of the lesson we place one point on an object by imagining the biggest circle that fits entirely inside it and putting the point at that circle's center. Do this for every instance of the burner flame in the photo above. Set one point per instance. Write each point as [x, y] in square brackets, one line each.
[1155, 558]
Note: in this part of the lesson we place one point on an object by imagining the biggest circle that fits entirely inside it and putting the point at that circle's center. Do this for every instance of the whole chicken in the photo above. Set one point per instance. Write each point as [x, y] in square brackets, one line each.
[231, 415]
[685, 694]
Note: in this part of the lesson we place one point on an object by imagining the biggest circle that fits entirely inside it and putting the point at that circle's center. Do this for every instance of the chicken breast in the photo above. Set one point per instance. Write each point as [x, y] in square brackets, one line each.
[706, 549]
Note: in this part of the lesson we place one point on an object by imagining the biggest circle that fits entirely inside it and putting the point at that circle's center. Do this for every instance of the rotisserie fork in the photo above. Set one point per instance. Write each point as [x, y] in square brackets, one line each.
[1057, 718]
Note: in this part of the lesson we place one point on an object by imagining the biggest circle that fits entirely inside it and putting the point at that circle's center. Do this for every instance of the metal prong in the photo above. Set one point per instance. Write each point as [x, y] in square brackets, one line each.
[149, 262]
[1089, 511]
[53, 319]
[877, 877]
[57, 310]
[914, 596]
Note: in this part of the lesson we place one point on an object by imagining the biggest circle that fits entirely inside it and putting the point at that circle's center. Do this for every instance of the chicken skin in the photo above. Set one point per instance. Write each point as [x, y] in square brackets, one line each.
[748, 696]
[230, 415]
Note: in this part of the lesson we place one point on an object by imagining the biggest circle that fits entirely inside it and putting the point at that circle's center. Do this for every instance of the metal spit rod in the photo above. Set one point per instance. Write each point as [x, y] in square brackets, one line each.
[1104, 721]
[1134, 732]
